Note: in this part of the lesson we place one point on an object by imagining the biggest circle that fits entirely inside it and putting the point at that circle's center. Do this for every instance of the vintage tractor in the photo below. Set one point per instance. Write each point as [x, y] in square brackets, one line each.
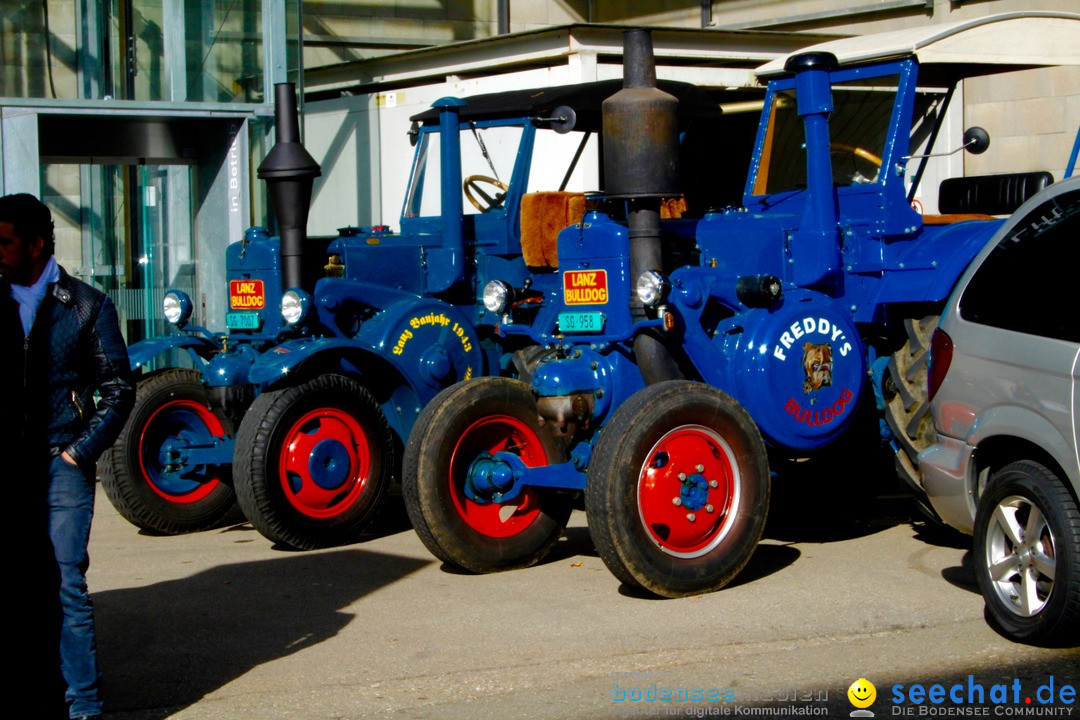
[689, 352]
[301, 410]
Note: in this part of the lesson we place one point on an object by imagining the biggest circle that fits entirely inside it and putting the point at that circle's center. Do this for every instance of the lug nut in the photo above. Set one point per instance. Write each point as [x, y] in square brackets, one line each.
[709, 508]
[691, 517]
[676, 501]
[713, 483]
[681, 476]
[700, 468]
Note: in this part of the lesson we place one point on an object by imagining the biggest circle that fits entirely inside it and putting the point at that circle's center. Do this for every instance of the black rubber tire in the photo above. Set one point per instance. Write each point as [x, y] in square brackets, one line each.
[289, 517]
[908, 406]
[432, 495]
[526, 360]
[128, 485]
[1026, 485]
[625, 540]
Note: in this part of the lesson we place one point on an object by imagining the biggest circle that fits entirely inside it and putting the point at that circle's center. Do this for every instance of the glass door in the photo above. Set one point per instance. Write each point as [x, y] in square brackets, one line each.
[162, 255]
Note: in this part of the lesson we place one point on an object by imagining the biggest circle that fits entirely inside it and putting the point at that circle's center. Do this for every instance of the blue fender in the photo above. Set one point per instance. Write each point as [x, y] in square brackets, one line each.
[277, 365]
[332, 293]
[408, 353]
[929, 268]
[198, 347]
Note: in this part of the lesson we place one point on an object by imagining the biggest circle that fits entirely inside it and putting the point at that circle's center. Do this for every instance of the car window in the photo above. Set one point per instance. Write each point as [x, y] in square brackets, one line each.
[1028, 282]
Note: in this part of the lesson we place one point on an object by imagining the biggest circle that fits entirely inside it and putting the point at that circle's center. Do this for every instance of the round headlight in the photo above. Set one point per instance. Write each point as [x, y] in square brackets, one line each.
[294, 306]
[176, 307]
[652, 288]
[497, 295]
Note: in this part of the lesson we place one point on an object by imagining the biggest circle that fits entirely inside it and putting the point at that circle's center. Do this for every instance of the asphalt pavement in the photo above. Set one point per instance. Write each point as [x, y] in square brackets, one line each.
[845, 585]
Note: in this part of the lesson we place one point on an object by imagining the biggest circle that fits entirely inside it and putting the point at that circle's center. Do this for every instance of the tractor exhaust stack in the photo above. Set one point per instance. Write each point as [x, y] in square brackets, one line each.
[641, 166]
[289, 172]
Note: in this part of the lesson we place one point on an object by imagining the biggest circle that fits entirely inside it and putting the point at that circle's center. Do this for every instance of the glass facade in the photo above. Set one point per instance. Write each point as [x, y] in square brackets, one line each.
[144, 208]
[154, 50]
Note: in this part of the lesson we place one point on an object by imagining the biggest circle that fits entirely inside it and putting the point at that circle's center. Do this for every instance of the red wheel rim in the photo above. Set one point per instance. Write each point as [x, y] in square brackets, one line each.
[172, 420]
[325, 463]
[681, 517]
[491, 435]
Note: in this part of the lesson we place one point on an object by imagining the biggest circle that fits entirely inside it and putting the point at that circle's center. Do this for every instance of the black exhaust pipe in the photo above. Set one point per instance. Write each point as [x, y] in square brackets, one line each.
[641, 166]
[289, 172]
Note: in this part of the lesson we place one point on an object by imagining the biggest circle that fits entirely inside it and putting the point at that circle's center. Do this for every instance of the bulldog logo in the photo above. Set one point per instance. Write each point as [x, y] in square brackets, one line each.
[817, 363]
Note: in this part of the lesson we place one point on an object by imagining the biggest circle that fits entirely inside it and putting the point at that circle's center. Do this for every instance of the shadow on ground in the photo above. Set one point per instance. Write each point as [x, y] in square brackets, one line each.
[165, 646]
[835, 497]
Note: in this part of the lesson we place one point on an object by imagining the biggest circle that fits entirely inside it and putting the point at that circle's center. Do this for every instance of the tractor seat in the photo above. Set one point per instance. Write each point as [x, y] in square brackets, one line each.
[544, 214]
[980, 196]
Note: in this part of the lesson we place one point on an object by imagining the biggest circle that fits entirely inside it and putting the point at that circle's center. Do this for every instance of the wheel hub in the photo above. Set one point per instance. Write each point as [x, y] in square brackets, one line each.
[483, 488]
[325, 463]
[329, 464]
[1023, 556]
[487, 479]
[166, 441]
[694, 493]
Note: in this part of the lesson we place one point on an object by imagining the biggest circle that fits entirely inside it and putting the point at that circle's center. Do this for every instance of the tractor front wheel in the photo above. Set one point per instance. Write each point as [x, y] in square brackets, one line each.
[678, 489]
[145, 474]
[464, 526]
[313, 462]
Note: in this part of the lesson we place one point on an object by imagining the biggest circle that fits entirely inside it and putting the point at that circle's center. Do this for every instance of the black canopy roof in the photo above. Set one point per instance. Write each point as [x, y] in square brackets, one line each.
[584, 98]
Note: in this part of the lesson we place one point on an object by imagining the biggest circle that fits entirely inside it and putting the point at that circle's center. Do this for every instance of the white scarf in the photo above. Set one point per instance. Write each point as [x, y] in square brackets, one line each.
[30, 298]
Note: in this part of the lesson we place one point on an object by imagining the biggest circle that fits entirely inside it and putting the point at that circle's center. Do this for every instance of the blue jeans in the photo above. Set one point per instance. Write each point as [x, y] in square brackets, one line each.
[71, 508]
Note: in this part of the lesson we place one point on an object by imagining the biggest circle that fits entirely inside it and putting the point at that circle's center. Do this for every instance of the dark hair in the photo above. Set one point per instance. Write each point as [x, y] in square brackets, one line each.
[31, 219]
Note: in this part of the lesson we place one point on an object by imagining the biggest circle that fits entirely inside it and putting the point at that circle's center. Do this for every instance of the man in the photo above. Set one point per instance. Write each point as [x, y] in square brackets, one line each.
[70, 347]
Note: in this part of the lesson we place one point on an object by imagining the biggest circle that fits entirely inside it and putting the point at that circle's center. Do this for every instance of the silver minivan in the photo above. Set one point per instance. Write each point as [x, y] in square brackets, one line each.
[1005, 396]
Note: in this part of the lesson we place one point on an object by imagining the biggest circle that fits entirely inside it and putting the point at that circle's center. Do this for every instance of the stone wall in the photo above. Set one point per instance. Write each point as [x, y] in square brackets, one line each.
[1032, 117]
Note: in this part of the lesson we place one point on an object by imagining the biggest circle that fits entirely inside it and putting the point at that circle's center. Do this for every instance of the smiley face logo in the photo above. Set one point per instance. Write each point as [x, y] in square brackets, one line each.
[862, 693]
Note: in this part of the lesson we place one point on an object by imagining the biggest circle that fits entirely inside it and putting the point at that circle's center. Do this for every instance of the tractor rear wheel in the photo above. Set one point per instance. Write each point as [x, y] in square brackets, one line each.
[313, 462]
[147, 480]
[466, 422]
[678, 489]
[907, 396]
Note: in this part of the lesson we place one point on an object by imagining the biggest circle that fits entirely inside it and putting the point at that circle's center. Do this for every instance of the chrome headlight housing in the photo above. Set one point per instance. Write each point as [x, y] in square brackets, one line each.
[652, 288]
[497, 296]
[176, 307]
[295, 306]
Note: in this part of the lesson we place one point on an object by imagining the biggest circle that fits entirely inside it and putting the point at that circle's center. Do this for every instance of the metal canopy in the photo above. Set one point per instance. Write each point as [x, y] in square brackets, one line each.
[587, 45]
[1018, 39]
[584, 98]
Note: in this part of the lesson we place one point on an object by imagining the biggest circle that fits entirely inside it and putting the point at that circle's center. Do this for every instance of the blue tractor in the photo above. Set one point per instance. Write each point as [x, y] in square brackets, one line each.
[300, 411]
[689, 352]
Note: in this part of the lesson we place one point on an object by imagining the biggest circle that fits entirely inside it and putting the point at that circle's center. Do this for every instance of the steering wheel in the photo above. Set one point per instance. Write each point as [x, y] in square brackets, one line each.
[847, 171]
[472, 184]
[857, 152]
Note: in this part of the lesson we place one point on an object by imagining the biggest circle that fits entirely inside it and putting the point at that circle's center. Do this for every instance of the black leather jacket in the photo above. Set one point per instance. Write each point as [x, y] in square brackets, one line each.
[74, 349]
